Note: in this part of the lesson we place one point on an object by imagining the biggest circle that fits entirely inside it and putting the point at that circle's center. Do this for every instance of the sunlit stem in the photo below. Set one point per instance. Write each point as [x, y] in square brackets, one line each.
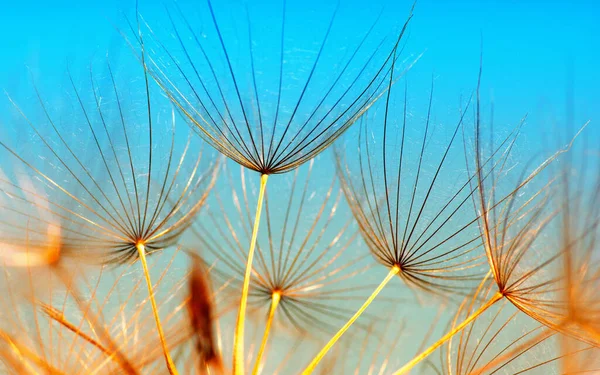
[568, 365]
[238, 339]
[170, 365]
[60, 319]
[24, 353]
[407, 367]
[275, 298]
[311, 367]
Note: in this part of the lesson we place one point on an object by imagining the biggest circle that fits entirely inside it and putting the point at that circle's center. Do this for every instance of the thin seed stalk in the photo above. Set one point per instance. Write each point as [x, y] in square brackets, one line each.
[94, 323]
[311, 367]
[238, 339]
[170, 365]
[274, 303]
[60, 319]
[543, 335]
[25, 353]
[407, 367]
[112, 355]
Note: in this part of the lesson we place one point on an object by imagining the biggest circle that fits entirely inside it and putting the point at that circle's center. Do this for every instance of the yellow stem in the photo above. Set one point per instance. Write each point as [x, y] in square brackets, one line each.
[311, 367]
[276, 297]
[238, 339]
[407, 367]
[170, 365]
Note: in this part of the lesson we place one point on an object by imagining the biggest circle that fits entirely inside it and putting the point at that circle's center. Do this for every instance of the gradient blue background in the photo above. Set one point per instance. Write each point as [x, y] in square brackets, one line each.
[535, 53]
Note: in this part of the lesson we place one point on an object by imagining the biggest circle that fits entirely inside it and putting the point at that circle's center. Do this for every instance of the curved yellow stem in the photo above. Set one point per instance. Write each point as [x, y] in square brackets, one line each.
[274, 303]
[407, 367]
[311, 367]
[170, 365]
[238, 339]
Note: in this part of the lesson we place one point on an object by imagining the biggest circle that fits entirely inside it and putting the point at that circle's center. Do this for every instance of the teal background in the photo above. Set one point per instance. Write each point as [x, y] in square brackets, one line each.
[535, 53]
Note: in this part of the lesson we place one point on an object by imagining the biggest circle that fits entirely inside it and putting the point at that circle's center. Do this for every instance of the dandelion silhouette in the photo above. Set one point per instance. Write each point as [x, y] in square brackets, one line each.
[305, 267]
[505, 340]
[415, 217]
[511, 228]
[243, 124]
[79, 327]
[24, 267]
[567, 301]
[121, 206]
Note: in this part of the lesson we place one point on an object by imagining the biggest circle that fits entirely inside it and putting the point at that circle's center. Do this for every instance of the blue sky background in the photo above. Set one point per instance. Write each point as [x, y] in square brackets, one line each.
[533, 50]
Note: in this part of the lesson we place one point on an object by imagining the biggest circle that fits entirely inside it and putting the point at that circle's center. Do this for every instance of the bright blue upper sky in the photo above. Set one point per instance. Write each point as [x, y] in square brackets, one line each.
[531, 48]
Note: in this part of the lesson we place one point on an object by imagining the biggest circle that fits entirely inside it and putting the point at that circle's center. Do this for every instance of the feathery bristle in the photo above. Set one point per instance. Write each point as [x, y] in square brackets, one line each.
[200, 309]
